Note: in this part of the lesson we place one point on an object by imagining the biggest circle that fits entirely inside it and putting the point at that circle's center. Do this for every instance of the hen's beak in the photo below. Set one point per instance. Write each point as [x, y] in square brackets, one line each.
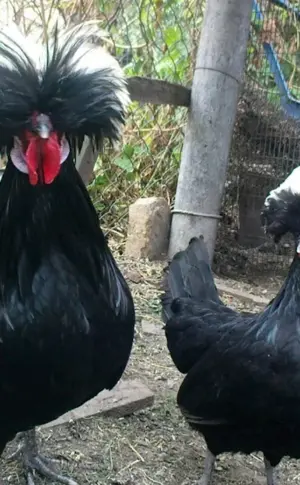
[43, 126]
[43, 130]
[298, 245]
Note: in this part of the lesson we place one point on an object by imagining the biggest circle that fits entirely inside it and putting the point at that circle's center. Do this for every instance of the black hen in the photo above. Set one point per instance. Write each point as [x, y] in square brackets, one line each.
[242, 388]
[66, 313]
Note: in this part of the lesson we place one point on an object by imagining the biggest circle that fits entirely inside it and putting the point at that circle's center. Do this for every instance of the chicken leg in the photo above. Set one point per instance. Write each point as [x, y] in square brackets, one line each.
[34, 461]
[208, 468]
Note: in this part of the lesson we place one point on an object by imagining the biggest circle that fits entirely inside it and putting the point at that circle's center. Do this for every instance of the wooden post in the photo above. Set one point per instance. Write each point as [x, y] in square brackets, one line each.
[218, 74]
[85, 160]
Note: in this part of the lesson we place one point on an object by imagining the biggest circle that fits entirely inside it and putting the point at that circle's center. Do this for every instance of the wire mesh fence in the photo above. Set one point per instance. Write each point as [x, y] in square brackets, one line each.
[266, 142]
[156, 39]
[159, 39]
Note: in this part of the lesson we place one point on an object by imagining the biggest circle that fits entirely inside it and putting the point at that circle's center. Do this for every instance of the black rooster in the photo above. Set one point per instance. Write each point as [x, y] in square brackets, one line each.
[242, 388]
[67, 315]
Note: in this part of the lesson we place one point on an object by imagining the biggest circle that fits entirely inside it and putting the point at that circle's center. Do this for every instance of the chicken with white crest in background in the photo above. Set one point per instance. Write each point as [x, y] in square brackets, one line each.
[281, 209]
[66, 313]
[290, 184]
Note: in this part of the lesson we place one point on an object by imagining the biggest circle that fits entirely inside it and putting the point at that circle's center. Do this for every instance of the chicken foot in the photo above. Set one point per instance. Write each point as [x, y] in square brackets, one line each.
[271, 480]
[36, 462]
[208, 468]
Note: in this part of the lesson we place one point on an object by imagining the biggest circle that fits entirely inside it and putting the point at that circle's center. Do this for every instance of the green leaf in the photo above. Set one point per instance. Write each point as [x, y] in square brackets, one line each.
[100, 180]
[172, 35]
[128, 150]
[124, 163]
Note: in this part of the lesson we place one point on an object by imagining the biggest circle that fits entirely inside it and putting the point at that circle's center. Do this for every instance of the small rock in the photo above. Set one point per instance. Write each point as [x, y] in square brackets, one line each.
[172, 384]
[148, 229]
[151, 328]
[133, 276]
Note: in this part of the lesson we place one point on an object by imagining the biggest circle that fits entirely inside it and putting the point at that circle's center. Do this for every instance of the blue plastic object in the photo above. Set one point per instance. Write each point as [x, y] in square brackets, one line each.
[257, 10]
[289, 103]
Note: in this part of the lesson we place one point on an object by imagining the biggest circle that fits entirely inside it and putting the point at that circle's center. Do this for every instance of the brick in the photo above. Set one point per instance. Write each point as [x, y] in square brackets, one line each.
[148, 229]
[126, 398]
[240, 294]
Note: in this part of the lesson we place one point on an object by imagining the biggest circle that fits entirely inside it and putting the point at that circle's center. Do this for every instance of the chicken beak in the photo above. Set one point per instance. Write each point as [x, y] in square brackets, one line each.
[298, 245]
[43, 131]
[43, 126]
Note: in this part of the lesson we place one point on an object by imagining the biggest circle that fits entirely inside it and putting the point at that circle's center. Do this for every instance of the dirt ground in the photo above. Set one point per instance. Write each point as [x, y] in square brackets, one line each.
[154, 446]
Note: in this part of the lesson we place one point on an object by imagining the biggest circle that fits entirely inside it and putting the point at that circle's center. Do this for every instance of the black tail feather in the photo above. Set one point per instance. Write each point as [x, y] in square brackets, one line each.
[190, 305]
[188, 276]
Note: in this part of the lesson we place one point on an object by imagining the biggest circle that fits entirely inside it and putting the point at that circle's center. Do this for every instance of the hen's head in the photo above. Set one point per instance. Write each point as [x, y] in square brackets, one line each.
[40, 150]
[52, 96]
[281, 210]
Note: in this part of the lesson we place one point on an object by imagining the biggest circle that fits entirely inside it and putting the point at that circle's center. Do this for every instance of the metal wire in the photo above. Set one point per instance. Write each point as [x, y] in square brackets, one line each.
[266, 144]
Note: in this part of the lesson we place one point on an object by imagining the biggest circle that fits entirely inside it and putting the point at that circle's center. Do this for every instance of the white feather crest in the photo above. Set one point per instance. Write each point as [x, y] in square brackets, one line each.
[91, 58]
[290, 184]
[87, 58]
[13, 38]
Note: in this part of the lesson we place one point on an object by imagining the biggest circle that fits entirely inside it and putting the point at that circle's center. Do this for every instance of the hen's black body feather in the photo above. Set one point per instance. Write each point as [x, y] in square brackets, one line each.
[242, 388]
[66, 313]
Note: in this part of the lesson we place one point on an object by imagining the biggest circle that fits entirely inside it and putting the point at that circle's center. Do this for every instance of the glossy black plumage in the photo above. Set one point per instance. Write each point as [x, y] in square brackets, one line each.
[66, 313]
[242, 388]
[67, 316]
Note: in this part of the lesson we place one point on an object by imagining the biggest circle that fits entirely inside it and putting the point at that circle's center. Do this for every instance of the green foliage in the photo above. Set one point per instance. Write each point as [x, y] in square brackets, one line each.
[281, 28]
[159, 38]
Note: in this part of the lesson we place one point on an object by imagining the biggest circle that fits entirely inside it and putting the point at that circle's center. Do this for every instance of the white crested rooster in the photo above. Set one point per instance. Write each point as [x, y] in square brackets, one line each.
[66, 313]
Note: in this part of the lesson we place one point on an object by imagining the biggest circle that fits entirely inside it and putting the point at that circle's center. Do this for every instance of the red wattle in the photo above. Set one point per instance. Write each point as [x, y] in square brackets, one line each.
[51, 155]
[31, 159]
[46, 154]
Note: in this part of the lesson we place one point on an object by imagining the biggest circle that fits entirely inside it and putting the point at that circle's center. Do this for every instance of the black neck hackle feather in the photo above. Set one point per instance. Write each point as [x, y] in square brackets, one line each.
[35, 220]
[78, 102]
[38, 221]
